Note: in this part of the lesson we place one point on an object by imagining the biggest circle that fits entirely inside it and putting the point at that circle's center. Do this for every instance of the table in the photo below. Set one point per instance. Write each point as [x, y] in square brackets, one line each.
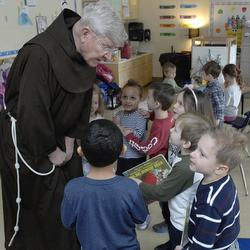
[245, 90]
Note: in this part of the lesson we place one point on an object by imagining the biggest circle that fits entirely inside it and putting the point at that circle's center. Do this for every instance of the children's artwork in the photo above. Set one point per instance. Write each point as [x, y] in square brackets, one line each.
[30, 3]
[152, 171]
[23, 16]
[165, 6]
[167, 25]
[41, 24]
[188, 6]
[167, 17]
[167, 34]
[228, 18]
[187, 16]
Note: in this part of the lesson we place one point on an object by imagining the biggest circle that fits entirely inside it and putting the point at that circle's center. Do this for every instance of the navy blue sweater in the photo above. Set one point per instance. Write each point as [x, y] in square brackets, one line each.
[214, 219]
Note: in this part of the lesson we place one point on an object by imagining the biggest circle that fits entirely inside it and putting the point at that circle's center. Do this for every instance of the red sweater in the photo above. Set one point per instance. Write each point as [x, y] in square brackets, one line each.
[157, 142]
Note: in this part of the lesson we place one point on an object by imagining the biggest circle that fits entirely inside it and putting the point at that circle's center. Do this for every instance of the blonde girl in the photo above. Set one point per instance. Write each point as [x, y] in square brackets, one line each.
[97, 106]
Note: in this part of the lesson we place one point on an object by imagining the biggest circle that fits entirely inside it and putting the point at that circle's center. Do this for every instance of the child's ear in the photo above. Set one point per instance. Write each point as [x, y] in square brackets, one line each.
[222, 169]
[124, 149]
[186, 144]
[79, 151]
[157, 104]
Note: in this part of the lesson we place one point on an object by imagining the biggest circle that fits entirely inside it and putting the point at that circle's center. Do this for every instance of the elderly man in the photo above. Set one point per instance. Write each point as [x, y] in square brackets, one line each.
[48, 104]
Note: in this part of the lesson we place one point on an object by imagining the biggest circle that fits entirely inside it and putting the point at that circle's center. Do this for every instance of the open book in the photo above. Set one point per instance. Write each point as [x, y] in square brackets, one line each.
[152, 171]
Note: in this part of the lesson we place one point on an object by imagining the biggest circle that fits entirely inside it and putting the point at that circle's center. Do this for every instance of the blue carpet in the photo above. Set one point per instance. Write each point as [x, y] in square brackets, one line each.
[244, 243]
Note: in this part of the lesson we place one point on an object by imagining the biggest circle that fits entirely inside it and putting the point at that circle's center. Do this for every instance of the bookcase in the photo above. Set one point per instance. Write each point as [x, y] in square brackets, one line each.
[138, 67]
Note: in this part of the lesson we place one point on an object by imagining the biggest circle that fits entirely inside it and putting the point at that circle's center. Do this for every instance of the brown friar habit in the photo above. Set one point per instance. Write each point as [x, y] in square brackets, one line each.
[49, 94]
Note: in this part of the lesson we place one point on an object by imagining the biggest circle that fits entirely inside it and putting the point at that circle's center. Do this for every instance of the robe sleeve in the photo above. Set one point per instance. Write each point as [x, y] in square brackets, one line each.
[78, 130]
[34, 118]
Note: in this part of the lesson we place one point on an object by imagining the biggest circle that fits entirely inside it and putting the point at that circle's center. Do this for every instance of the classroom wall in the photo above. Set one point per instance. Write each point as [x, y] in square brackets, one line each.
[13, 35]
[149, 13]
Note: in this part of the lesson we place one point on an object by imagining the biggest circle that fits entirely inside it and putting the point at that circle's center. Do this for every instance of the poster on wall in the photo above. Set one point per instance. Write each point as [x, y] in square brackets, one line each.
[41, 24]
[228, 18]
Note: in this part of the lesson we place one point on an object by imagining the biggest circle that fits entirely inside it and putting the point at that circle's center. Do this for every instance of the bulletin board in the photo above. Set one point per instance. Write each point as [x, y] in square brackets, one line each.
[227, 18]
[21, 20]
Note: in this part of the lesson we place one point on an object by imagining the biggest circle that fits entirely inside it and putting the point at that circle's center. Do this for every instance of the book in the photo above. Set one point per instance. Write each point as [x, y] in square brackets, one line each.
[152, 171]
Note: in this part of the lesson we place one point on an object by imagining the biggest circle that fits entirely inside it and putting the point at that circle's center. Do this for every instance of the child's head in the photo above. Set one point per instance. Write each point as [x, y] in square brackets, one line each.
[211, 70]
[190, 100]
[97, 106]
[169, 70]
[131, 96]
[219, 150]
[188, 129]
[231, 72]
[160, 95]
[102, 143]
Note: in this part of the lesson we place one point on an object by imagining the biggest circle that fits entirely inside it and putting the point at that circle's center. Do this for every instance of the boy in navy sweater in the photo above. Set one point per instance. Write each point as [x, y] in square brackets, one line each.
[103, 208]
[214, 219]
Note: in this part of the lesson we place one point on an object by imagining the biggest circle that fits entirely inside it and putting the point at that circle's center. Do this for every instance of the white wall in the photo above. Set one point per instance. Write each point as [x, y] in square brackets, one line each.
[12, 35]
[149, 13]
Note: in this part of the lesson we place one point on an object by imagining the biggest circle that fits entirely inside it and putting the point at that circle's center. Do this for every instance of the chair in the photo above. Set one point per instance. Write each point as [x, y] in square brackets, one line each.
[240, 123]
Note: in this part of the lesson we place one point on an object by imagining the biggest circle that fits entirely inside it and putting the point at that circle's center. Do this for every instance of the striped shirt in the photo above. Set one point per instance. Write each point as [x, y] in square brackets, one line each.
[214, 218]
[136, 122]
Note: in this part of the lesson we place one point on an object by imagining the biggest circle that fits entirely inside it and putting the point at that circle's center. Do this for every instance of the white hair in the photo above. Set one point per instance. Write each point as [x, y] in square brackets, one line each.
[104, 21]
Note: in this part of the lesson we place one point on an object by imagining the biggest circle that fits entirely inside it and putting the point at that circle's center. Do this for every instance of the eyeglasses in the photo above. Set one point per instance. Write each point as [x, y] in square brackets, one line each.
[107, 49]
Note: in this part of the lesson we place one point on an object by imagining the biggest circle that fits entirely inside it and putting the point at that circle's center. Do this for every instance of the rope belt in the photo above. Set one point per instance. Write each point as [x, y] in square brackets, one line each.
[17, 166]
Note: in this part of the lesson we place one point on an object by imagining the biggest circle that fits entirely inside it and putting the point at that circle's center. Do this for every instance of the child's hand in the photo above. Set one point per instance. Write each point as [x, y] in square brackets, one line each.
[138, 181]
[144, 113]
[178, 247]
[126, 131]
[116, 120]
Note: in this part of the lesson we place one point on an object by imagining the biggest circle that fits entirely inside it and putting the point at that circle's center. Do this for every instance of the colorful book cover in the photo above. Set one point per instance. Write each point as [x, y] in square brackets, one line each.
[152, 171]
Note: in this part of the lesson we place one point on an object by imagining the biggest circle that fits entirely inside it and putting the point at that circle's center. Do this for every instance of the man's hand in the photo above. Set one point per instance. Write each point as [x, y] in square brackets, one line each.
[69, 144]
[57, 157]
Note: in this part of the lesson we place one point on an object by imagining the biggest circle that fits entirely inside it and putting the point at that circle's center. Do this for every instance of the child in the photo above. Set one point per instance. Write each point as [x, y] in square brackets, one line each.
[103, 208]
[214, 219]
[160, 99]
[210, 73]
[169, 73]
[129, 117]
[188, 100]
[96, 112]
[97, 106]
[180, 185]
[233, 85]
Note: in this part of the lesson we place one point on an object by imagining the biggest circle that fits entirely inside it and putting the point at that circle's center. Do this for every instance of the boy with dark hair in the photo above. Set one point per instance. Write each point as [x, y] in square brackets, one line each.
[169, 73]
[160, 99]
[103, 208]
[210, 73]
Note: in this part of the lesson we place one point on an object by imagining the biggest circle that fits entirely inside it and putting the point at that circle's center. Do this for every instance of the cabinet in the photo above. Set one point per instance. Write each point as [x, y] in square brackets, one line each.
[204, 49]
[130, 9]
[138, 68]
[127, 9]
[245, 55]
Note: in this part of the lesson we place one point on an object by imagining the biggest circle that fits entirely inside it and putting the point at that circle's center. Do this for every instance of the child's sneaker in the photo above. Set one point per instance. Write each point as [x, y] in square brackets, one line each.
[160, 227]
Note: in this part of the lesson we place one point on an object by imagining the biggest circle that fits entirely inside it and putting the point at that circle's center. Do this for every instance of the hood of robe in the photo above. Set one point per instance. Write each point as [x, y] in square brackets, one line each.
[71, 70]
